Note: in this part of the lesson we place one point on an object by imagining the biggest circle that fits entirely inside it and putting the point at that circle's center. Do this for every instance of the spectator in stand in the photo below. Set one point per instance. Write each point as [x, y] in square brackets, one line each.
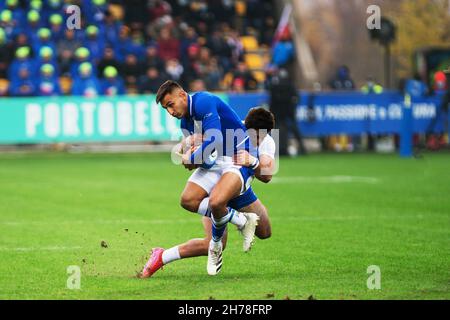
[197, 85]
[86, 84]
[190, 38]
[213, 75]
[22, 85]
[46, 56]
[112, 84]
[54, 7]
[82, 55]
[34, 24]
[283, 51]
[10, 26]
[44, 39]
[48, 82]
[192, 65]
[152, 59]
[439, 82]
[343, 80]
[6, 54]
[22, 61]
[151, 81]
[108, 59]
[245, 76]
[56, 27]
[371, 87]
[111, 28]
[168, 46]
[158, 9]
[132, 70]
[94, 43]
[220, 48]
[65, 49]
[174, 70]
[137, 44]
[121, 47]
[18, 14]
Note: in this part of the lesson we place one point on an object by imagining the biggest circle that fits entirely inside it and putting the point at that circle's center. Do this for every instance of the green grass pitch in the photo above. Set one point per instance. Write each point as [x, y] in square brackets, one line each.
[333, 215]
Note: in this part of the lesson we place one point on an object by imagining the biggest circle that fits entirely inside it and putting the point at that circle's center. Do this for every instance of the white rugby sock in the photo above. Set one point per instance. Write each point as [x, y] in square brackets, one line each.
[238, 219]
[170, 255]
[203, 208]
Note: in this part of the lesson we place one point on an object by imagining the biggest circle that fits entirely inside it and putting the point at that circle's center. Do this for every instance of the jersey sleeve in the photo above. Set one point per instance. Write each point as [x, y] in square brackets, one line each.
[206, 112]
[267, 147]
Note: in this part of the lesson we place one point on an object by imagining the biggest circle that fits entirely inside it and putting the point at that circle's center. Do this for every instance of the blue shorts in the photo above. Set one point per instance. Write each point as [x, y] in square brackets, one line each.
[245, 199]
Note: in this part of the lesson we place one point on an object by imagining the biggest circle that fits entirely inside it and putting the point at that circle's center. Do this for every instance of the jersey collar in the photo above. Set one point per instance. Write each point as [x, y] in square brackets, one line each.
[190, 104]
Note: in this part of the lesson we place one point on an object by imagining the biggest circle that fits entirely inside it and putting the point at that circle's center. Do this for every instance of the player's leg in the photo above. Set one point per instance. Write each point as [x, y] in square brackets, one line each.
[199, 247]
[192, 196]
[192, 248]
[264, 228]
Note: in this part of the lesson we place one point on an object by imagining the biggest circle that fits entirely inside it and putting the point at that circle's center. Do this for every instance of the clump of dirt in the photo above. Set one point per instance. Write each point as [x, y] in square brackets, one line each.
[103, 244]
[83, 260]
[126, 230]
[211, 298]
[270, 295]
[287, 298]
[311, 297]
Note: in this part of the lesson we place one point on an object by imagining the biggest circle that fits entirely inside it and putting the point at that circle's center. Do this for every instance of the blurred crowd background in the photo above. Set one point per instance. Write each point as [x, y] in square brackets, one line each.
[131, 47]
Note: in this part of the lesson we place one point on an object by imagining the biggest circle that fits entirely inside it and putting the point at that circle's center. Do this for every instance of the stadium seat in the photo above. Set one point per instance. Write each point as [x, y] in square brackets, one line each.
[260, 76]
[253, 61]
[4, 86]
[66, 84]
[250, 43]
[116, 11]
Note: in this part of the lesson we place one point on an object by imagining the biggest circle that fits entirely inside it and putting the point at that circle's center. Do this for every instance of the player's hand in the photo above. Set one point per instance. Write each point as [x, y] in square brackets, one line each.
[186, 161]
[243, 158]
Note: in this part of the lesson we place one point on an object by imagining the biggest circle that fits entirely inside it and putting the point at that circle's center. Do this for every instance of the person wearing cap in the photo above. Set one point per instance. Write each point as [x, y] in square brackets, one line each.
[94, 42]
[95, 11]
[57, 27]
[22, 85]
[112, 84]
[44, 38]
[22, 61]
[82, 55]
[34, 23]
[18, 14]
[48, 84]
[47, 56]
[8, 24]
[86, 84]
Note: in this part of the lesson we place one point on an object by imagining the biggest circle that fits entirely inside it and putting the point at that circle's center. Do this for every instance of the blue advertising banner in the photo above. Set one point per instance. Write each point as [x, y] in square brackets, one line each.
[324, 114]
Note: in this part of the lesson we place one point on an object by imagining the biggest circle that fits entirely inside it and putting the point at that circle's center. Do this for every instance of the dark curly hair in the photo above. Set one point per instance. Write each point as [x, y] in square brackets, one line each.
[259, 118]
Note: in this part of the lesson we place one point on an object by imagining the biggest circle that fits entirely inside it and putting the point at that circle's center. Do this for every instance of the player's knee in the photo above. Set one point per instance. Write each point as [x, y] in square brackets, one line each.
[189, 203]
[265, 233]
[216, 203]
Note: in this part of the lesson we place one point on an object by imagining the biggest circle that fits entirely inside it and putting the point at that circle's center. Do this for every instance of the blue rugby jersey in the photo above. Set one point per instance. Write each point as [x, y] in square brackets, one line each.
[215, 114]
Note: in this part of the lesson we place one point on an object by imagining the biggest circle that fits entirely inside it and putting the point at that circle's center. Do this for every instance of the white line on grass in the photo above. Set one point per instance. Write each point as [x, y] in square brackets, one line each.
[50, 248]
[330, 179]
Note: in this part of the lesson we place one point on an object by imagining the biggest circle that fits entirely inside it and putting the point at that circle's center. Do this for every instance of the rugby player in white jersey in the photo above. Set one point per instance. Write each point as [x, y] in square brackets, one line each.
[260, 122]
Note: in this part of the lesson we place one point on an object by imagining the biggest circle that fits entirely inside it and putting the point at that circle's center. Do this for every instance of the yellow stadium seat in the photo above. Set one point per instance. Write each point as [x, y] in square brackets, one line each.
[66, 84]
[117, 11]
[260, 76]
[254, 61]
[4, 85]
[250, 43]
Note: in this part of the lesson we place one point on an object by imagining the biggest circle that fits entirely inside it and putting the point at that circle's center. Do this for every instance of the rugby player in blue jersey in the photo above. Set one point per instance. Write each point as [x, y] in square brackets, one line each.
[262, 122]
[216, 180]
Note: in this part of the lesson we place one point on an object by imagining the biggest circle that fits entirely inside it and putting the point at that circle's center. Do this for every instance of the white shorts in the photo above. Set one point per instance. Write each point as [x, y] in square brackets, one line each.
[208, 178]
